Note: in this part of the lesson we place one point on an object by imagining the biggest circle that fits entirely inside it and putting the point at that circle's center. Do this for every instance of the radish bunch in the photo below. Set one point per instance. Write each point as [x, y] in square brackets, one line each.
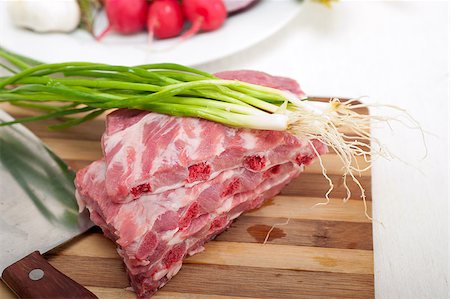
[164, 18]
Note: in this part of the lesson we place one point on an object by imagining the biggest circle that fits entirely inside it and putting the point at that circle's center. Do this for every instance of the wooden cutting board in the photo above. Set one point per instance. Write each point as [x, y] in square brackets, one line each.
[322, 252]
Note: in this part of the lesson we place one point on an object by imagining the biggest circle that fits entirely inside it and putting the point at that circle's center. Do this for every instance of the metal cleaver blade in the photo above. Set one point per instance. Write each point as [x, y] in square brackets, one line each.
[38, 211]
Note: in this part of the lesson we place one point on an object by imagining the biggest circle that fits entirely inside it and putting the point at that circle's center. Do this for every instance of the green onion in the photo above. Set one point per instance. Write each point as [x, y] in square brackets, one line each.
[163, 87]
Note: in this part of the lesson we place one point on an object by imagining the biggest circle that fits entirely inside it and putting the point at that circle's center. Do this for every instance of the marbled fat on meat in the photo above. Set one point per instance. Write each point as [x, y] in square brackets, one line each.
[156, 152]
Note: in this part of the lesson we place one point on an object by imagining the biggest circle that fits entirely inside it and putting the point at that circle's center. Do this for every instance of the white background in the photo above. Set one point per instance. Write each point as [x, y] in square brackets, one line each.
[397, 53]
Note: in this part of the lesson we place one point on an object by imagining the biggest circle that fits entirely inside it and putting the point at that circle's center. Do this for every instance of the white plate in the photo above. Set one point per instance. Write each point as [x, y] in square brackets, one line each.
[239, 32]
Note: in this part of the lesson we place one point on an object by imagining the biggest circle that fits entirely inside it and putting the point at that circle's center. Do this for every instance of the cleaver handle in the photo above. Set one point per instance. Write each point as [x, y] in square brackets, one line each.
[34, 277]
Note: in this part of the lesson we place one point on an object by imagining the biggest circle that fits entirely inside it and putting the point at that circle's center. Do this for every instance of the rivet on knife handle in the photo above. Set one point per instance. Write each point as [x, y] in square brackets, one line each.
[34, 277]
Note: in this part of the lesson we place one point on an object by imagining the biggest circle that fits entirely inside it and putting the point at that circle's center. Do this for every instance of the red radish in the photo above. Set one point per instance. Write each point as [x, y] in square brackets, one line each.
[125, 16]
[206, 15]
[165, 18]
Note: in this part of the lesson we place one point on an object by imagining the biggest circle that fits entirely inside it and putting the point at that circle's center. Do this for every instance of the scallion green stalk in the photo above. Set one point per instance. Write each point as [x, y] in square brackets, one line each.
[163, 87]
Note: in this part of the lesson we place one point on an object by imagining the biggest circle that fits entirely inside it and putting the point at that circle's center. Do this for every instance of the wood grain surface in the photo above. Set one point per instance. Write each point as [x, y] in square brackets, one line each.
[324, 251]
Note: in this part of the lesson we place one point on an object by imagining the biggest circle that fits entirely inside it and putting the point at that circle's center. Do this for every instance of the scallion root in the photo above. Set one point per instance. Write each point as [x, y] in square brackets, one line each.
[338, 125]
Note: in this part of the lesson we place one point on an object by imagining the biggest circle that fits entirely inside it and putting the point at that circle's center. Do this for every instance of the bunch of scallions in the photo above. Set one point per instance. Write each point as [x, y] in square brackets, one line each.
[75, 92]
[92, 88]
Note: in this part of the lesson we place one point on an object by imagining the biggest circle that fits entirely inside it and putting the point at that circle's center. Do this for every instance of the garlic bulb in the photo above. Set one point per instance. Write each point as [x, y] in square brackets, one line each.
[45, 15]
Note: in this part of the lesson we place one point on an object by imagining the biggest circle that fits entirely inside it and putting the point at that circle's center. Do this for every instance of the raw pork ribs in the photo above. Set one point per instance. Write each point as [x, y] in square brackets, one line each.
[167, 185]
